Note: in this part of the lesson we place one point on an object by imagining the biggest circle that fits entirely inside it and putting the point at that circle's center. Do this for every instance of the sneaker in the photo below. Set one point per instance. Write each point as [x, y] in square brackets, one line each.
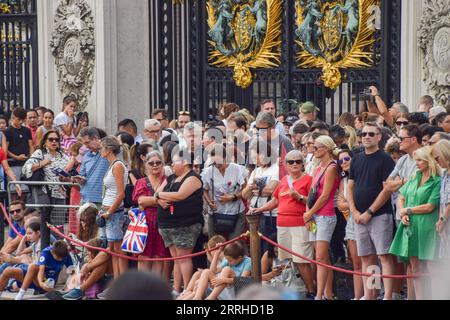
[74, 294]
[102, 296]
[362, 299]
[175, 294]
[310, 296]
[54, 295]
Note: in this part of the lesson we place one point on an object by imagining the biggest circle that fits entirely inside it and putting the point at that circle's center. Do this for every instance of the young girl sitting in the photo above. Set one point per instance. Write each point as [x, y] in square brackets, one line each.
[189, 292]
[235, 264]
[93, 275]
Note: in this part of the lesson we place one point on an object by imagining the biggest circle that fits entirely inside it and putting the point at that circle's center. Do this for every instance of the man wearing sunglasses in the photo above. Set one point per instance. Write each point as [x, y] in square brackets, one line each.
[17, 214]
[371, 208]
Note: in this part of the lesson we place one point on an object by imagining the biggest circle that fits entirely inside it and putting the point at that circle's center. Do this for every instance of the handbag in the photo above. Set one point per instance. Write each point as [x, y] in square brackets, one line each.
[224, 223]
[135, 238]
[311, 201]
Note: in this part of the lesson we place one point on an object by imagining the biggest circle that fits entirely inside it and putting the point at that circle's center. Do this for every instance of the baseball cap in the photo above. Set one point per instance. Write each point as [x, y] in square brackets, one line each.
[308, 107]
[291, 120]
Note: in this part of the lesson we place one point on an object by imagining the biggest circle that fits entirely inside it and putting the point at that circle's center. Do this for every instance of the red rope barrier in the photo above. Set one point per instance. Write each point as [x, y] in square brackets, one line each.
[81, 244]
[361, 274]
[10, 222]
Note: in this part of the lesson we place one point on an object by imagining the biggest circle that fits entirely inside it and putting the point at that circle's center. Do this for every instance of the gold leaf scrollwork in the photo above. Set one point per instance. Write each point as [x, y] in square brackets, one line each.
[335, 35]
[244, 35]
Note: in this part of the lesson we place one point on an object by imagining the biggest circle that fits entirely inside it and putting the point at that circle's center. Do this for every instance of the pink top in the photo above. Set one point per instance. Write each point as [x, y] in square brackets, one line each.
[328, 209]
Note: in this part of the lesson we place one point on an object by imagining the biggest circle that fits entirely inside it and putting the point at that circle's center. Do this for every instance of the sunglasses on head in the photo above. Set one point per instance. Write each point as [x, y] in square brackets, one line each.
[292, 162]
[402, 123]
[15, 211]
[154, 163]
[184, 113]
[370, 134]
[53, 139]
[345, 159]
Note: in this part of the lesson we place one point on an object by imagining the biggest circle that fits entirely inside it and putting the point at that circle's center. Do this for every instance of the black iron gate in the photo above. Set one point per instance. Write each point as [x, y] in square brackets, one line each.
[19, 85]
[209, 86]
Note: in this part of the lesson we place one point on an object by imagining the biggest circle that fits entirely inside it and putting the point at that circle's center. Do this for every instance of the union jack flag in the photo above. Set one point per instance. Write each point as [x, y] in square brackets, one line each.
[136, 236]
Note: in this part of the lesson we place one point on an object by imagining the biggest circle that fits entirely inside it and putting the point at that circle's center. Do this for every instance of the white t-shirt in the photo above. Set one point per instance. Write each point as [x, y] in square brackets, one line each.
[231, 183]
[62, 119]
[268, 174]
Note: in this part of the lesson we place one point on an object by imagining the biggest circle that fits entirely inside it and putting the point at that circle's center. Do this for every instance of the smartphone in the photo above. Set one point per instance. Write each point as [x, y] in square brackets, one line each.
[60, 172]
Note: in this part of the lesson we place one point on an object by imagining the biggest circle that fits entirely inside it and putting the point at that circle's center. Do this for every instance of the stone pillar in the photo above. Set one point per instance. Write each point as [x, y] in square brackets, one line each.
[412, 86]
[120, 73]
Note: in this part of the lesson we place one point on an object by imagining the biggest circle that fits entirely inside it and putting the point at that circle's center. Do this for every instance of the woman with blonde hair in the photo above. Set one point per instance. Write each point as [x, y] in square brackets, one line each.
[416, 238]
[441, 152]
[320, 209]
[350, 135]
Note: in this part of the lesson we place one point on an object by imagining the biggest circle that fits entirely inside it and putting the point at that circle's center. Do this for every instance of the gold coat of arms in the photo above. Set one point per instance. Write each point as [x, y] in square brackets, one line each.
[334, 35]
[244, 34]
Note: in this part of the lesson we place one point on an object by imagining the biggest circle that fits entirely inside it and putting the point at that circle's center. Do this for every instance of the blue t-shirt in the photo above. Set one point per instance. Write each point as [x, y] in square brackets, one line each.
[245, 265]
[21, 230]
[53, 267]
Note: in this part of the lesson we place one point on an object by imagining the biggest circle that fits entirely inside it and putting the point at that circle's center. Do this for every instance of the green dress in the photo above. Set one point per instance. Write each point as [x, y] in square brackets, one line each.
[419, 239]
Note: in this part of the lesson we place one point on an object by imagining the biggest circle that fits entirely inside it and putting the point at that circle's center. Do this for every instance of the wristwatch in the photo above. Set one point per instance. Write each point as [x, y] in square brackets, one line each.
[370, 212]
[235, 197]
[156, 195]
[302, 197]
[443, 219]
[409, 211]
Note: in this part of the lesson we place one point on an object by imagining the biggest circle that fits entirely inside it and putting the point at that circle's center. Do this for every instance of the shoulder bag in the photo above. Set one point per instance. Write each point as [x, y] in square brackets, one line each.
[312, 196]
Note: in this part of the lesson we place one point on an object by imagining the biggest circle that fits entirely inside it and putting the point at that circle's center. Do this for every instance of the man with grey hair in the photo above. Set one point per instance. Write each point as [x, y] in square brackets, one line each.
[192, 139]
[265, 130]
[380, 107]
[438, 136]
[425, 104]
[153, 131]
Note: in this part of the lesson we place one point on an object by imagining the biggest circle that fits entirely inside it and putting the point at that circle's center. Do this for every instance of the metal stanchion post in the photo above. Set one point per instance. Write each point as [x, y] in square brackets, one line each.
[255, 246]
[45, 231]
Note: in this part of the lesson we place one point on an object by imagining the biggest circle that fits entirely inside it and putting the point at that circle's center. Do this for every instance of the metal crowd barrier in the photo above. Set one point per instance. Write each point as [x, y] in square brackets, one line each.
[50, 213]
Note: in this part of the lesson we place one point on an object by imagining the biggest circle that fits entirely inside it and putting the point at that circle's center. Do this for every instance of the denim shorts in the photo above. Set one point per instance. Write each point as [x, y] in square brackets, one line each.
[350, 233]
[114, 226]
[325, 227]
[184, 237]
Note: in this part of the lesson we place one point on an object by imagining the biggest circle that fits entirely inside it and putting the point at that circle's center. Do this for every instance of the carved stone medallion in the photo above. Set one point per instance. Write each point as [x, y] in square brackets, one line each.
[434, 40]
[73, 46]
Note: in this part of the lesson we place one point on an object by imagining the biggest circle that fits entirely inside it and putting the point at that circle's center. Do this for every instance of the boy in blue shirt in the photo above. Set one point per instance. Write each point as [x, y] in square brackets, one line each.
[235, 264]
[43, 275]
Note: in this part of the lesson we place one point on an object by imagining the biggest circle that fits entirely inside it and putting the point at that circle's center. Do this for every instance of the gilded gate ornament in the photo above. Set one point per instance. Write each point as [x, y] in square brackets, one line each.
[334, 35]
[244, 34]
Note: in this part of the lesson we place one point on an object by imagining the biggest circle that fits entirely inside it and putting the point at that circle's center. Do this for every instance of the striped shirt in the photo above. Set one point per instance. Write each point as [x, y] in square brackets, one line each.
[93, 168]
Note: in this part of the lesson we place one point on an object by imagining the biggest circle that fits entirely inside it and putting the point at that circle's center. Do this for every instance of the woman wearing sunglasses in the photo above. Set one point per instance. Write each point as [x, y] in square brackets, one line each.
[290, 199]
[401, 120]
[345, 159]
[321, 210]
[50, 158]
[143, 195]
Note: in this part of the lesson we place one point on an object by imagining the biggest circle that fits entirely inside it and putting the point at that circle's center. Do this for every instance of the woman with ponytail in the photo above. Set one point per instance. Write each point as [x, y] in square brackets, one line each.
[321, 210]
[113, 196]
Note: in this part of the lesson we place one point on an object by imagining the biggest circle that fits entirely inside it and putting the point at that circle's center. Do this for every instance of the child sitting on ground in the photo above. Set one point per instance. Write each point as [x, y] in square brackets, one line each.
[235, 264]
[43, 275]
[189, 292]
[93, 274]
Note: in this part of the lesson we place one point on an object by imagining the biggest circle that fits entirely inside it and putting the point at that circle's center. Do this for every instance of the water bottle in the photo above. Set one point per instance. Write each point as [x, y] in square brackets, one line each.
[50, 283]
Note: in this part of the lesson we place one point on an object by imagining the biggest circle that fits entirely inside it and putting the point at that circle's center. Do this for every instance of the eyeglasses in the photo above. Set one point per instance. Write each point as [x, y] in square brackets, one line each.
[402, 123]
[15, 211]
[258, 128]
[154, 163]
[345, 159]
[152, 131]
[370, 134]
[403, 138]
[53, 139]
[292, 162]
[316, 148]
[184, 113]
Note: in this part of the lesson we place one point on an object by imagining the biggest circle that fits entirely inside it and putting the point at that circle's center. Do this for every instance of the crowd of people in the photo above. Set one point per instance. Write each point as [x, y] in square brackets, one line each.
[371, 190]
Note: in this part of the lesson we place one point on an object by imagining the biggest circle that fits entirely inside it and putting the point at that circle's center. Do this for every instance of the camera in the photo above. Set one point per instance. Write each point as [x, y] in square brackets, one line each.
[366, 94]
[261, 183]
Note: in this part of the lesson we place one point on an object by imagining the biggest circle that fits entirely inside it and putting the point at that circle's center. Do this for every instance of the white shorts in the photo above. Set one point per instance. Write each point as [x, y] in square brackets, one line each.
[295, 239]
